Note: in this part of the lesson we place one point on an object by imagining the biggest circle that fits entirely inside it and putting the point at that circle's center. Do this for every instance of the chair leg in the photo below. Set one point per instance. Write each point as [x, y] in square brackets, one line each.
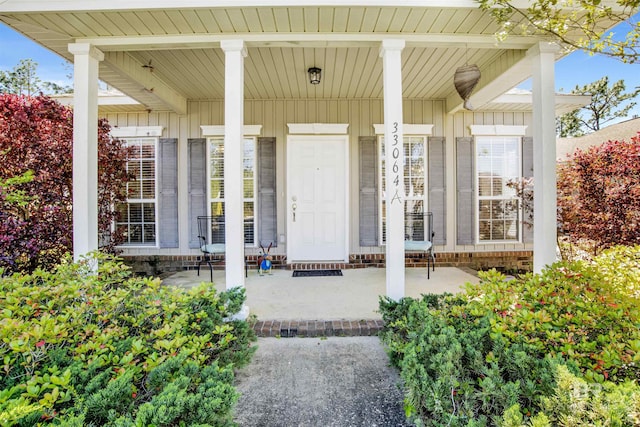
[428, 267]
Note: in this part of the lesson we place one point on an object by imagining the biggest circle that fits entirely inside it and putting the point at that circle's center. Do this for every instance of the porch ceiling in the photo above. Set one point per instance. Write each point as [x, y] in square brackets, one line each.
[163, 57]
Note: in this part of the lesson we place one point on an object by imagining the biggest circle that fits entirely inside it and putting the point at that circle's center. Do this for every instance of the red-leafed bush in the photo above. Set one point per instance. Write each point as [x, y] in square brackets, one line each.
[36, 195]
[599, 194]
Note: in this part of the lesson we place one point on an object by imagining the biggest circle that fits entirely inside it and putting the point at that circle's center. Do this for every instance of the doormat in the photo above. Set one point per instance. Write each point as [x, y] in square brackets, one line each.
[316, 273]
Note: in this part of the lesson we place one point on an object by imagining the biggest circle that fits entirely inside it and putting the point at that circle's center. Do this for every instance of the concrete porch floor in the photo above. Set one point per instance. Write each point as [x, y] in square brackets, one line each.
[352, 296]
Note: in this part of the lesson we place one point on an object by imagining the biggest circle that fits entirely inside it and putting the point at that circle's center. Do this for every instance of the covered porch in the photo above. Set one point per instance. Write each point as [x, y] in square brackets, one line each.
[194, 67]
[353, 296]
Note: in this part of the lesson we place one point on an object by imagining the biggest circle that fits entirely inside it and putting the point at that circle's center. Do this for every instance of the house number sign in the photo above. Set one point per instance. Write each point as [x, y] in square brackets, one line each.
[395, 169]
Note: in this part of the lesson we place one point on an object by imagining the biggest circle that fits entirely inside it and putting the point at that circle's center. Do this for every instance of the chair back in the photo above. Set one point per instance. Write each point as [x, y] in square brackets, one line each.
[211, 229]
[419, 227]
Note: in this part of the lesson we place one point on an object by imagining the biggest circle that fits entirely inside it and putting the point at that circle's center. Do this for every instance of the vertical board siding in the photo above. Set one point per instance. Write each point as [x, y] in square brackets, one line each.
[273, 115]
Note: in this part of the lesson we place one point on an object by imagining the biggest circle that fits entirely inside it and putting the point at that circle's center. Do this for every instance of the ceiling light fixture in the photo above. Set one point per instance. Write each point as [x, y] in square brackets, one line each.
[314, 75]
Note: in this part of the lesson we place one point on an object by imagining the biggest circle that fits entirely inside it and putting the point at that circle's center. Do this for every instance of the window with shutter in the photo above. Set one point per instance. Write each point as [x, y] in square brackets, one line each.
[498, 161]
[216, 187]
[415, 178]
[137, 217]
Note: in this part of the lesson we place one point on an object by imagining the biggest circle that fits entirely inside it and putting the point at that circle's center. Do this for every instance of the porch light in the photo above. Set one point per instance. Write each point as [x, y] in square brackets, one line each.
[314, 75]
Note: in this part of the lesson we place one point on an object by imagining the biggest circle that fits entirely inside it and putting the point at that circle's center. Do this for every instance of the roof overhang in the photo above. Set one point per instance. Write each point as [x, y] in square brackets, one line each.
[520, 100]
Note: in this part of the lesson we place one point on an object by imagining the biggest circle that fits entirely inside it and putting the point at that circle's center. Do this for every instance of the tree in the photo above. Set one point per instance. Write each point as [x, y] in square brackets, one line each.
[599, 194]
[608, 102]
[36, 181]
[24, 80]
[577, 24]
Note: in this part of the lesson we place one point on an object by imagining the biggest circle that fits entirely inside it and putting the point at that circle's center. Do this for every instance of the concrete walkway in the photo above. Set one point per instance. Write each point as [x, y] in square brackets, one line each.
[341, 382]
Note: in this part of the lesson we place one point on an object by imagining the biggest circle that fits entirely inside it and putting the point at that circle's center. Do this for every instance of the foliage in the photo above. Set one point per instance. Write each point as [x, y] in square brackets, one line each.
[599, 194]
[23, 80]
[606, 105]
[577, 24]
[575, 402]
[36, 193]
[87, 349]
[467, 359]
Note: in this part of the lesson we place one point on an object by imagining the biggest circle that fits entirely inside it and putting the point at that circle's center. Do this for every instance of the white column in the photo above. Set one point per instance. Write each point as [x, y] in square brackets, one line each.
[85, 147]
[391, 53]
[234, 53]
[544, 154]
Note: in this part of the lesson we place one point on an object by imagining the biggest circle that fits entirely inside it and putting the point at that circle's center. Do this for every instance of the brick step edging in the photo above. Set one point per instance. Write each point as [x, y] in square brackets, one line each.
[317, 328]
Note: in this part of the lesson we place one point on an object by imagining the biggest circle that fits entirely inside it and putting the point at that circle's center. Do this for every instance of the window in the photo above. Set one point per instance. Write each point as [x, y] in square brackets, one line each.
[498, 160]
[216, 188]
[414, 163]
[137, 218]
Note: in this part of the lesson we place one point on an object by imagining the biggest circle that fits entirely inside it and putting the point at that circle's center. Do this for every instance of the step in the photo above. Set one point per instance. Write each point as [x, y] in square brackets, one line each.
[318, 328]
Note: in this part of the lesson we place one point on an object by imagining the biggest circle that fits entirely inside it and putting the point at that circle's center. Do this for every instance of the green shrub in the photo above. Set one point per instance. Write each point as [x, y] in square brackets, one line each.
[575, 402]
[585, 312]
[455, 373]
[78, 348]
[466, 359]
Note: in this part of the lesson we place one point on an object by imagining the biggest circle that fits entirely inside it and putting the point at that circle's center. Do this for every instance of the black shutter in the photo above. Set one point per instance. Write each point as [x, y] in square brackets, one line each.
[267, 196]
[168, 193]
[465, 191]
[368, 191]
[437, 187]
[197, 186]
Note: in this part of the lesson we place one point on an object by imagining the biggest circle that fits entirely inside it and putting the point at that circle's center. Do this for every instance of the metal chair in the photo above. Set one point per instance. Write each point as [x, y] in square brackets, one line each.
[418, 237]
[211, 234]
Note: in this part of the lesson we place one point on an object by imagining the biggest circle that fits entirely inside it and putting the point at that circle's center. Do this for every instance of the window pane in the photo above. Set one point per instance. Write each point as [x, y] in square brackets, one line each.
[484, 230]
[414, 180]
[484, 186]
[135, 212]
[217, 208]
[248, 188]
[216, 184]
[249, 222]
[217, 189]
[136, 219]
[498, 161]
[149, 233]
[149, 212]
[148, 189]
[485, 209]
[135, 233]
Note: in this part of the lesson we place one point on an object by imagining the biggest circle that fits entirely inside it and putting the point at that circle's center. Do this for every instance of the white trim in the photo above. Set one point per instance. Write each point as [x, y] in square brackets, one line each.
[497, 130]
[136, 131]
[408, 129]
[318, 128]
[320, 40]
[156, 204]
[477, 198]
[218, 130]
[254, 199]
[78, 5]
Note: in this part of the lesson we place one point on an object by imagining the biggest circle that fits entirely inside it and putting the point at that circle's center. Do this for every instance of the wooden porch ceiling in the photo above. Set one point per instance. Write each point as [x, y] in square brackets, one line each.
[163, 57]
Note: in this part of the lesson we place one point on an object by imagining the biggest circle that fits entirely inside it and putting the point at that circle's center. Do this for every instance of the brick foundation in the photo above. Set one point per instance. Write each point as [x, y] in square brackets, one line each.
[317, 328]
[504, 261]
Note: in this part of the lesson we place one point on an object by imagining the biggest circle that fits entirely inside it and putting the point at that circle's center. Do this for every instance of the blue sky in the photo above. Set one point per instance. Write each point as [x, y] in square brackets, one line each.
[575, 69]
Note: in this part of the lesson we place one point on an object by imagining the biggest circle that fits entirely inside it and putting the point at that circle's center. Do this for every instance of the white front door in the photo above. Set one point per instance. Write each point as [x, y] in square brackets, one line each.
[317, 198]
